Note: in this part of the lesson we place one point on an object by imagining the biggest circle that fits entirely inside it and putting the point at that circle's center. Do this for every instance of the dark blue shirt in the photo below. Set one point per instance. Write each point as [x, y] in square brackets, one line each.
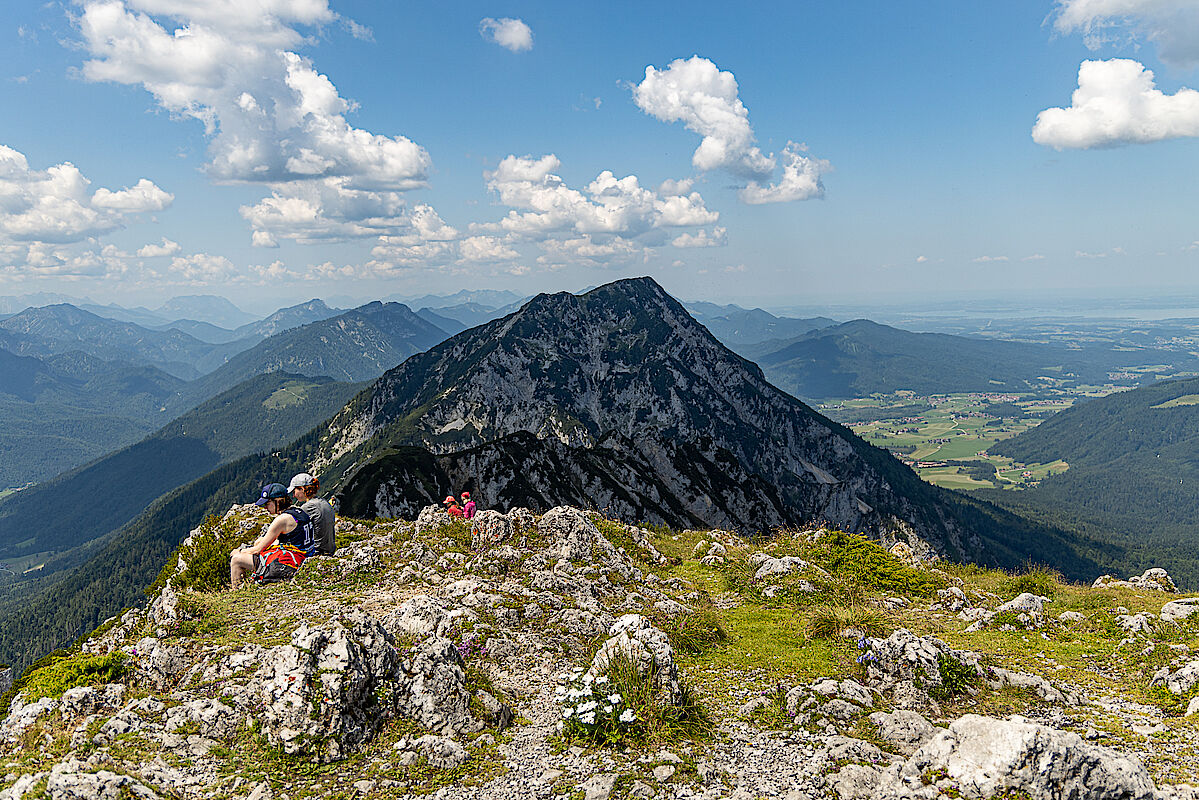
[303, 536]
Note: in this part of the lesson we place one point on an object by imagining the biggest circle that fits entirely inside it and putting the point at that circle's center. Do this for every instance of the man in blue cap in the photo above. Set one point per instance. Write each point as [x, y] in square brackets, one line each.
[279, 551]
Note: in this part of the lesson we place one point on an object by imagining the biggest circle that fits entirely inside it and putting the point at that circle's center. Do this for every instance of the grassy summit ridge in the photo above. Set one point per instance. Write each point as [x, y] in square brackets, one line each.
[757, 629]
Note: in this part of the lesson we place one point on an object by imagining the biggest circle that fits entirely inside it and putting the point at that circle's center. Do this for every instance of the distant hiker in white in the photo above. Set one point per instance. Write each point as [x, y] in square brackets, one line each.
[304, 487]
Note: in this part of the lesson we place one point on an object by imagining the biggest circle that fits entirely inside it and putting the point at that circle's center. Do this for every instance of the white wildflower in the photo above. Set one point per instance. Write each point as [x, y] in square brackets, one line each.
[614, 699]
[628, 715]
[609, 709]
[588, 718]
[588, 706]
[601, 680]
[567, 712]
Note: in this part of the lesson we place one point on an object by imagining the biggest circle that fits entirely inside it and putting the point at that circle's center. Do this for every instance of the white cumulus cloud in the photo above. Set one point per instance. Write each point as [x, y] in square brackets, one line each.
[1171, 25]
[202, 268]
[57, 205]
[326, 209]
[167, 248]
[706, 100]
[142, 197]
[1116, 103]
[697, 93]
[271, 117]
[800, 180]
[511, 34]
[543, 203]
[718, 237]
[486, 248]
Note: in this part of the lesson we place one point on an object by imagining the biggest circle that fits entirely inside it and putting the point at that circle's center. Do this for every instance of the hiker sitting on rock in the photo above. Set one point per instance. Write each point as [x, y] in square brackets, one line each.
[279, 552]
[468, 506]
[451, 507]
[303, 488]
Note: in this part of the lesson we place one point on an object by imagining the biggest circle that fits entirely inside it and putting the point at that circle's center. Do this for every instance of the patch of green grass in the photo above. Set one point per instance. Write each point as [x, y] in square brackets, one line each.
[693, 633]
[772, 641]
[831, 620]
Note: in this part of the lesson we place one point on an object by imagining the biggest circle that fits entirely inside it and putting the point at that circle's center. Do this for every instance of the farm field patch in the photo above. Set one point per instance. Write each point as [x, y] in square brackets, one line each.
[946, 438]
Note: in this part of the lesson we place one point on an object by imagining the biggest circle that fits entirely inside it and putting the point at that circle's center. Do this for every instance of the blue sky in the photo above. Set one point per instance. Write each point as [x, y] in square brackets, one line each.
[284, 149]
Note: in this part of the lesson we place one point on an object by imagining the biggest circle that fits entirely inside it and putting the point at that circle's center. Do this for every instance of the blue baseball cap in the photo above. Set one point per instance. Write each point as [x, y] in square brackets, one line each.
[272, 491]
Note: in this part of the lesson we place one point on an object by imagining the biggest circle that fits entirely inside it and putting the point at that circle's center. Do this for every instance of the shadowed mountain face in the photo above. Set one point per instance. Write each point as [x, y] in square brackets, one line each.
[619, 397]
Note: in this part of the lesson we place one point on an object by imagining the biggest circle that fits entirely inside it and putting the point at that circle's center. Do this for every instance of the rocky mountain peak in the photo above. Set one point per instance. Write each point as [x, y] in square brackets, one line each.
[691, 433]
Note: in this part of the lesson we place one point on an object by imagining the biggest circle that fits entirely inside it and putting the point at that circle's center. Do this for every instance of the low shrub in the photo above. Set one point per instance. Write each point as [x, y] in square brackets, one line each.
[1035, 579]
[853, 558]
[206, 558]
[68, 671]
[956, 678]
[693, 633]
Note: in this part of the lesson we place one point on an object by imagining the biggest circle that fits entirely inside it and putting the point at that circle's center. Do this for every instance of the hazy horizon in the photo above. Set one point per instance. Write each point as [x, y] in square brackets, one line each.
[1063, 304]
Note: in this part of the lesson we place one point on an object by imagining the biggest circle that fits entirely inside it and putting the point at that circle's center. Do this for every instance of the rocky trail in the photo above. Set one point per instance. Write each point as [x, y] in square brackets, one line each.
[570, 656]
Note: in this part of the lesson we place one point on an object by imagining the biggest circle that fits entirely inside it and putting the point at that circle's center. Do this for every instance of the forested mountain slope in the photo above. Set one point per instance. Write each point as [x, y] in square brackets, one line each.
[59, 411]
[264, 413]
[1134, 472]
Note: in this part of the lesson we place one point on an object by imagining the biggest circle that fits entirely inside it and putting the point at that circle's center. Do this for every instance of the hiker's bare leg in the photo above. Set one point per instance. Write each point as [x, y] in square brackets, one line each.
[240, 562]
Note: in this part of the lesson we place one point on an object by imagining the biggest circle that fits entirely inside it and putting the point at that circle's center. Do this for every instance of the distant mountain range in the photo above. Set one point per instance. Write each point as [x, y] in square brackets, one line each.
[616, 399]
[737, 327]
[68, 405]
[285, 319]
[490, 298]
[355, 345]
[57, 329]
[859, 358]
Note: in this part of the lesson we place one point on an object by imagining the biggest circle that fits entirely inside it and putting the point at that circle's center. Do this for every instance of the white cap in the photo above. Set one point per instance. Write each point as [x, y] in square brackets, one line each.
[303, 479]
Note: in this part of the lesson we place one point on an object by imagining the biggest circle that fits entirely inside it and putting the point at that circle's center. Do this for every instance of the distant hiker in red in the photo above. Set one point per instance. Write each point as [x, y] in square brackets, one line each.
[452, 508]
[468, 506]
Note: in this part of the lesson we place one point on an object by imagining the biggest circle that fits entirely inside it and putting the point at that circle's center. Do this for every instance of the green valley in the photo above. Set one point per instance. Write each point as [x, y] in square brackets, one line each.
[948, 438]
